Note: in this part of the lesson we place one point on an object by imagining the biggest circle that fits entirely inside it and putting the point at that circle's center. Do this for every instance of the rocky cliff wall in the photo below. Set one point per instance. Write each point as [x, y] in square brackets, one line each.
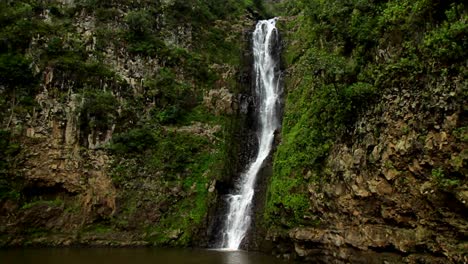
[126, 124]
[371, 167]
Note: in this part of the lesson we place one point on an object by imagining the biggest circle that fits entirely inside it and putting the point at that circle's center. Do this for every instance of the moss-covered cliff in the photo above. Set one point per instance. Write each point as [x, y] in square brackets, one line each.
[372, 161]
[117, 118]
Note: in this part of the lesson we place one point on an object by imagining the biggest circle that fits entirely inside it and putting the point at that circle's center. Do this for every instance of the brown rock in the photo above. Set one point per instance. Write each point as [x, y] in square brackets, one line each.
[390, 174]
[429, 144]
[451, 121]
[375, 155]
[219, 101]
[359, 191]
[300, 250]
[384, 188]
[358, 155]
[462, 196]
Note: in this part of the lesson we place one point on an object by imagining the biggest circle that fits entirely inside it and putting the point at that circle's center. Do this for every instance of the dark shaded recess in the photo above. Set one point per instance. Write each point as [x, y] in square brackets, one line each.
[423, 248]
[255, 14]
[448, 202]
[242, 147]
[39, 191]
[387, 248]
[439, 8]
[222, 188]
[255, 238]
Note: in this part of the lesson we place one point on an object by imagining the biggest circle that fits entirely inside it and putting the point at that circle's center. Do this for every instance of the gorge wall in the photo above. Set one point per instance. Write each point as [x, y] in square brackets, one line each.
[371, 165]
[119, 119]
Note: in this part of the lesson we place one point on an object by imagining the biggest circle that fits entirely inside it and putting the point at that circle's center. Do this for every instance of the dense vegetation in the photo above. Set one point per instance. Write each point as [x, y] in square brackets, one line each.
[8, 150]
[342, 56]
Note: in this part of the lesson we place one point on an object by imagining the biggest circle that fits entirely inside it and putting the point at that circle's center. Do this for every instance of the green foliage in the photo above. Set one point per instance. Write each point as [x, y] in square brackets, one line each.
[183, 218]
[189, 213]
[201, 114]
[15, 71]
[16, 26]
[70, 61]
[342, 55]
[139, 24]
[171, 152]
[8, 150]
[443, 181]
[176, 152]
[142, 35]
[170, 159]
[359, 93]
[213, 37]
[461, 133]
[438, 173]
[34, 232]
[51, 203]
[286, 202]
[98, 110]
[134, 141]
[448, 43]
[98, 229]
[205, 11]
[401, 13]
[165, 87]
[147, 145]
[173, 99]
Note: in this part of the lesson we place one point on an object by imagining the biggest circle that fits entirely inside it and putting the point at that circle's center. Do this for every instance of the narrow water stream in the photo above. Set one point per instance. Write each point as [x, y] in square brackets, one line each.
[267, 88]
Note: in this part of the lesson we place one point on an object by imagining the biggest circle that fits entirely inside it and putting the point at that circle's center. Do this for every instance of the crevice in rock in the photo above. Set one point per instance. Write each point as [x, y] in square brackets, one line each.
[388, 249]
[40, 191]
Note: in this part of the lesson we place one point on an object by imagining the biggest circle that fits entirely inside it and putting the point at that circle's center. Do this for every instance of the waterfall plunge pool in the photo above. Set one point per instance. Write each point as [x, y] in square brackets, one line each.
[132, 256]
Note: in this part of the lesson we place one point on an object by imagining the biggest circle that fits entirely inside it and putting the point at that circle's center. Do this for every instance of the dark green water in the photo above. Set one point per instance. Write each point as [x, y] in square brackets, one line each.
[131, 256]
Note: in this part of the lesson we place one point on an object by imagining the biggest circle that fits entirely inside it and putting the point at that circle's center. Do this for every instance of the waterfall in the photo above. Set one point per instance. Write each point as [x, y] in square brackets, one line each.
[267, 88]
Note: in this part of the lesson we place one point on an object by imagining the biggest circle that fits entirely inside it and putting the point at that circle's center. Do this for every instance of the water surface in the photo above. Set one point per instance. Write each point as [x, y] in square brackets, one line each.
[132, 256]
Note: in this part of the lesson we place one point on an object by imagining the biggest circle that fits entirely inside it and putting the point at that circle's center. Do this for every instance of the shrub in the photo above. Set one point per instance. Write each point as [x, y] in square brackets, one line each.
[139, 24]
[134, 141]
[8, 150]
[98, 110]
[15, 71]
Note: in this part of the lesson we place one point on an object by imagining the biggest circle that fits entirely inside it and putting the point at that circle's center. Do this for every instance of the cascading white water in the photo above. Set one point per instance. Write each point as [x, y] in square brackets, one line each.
[265, 41]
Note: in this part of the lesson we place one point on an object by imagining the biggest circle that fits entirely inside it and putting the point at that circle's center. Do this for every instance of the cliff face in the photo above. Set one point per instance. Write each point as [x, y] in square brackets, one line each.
[371, 167]
[117, 118]
[391, 192]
